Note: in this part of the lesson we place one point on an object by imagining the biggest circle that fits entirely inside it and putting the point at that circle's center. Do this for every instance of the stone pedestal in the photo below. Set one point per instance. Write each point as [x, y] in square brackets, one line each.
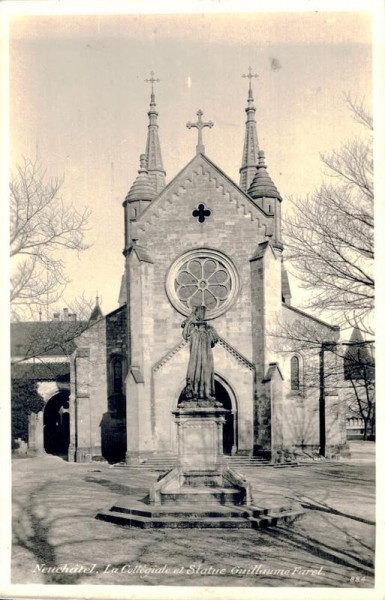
[200, 433]
[200, 491]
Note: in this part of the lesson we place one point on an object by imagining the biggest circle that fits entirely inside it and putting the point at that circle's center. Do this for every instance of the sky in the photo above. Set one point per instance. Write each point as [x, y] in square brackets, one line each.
[78, 100]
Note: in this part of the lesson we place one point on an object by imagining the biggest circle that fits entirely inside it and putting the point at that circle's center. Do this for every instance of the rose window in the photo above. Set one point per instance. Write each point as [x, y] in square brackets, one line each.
[205, 278]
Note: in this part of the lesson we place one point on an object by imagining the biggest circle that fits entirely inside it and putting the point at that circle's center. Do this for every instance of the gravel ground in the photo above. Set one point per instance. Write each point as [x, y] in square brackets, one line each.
[54, 525]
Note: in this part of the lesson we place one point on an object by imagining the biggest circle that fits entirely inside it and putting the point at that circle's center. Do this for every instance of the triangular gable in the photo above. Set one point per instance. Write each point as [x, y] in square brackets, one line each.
[272, 369]
[221, 341]
[140, 252]
[302, 313]
[261, 251]
[198, 158]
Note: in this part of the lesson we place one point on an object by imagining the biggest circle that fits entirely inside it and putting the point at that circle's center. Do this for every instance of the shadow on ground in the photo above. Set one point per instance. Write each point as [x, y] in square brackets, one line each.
[54, 525]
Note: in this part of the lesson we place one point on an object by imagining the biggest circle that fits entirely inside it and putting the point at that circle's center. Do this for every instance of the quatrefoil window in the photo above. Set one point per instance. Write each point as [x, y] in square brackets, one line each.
[202, 278]
[201, 213]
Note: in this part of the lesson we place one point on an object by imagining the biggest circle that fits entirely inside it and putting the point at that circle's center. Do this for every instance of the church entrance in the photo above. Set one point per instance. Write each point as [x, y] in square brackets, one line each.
[57, 425]
[229, 434]
[230, 425]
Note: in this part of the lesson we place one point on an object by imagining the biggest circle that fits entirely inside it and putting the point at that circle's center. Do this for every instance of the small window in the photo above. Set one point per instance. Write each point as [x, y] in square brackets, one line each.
[294, 373]
[117, 397]
[116, 374]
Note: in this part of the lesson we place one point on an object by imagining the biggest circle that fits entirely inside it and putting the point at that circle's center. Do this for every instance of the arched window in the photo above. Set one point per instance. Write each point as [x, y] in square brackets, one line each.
[116, 394]
[116, 371]
[117, 375]
[294, 374]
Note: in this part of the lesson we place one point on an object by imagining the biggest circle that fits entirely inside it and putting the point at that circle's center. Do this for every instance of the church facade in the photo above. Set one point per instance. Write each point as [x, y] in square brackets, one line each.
[202, 240]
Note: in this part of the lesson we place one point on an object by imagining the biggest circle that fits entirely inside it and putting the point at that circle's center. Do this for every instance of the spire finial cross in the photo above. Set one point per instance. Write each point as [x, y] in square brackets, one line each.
[152, 81]
[249, 76]
[200, 125]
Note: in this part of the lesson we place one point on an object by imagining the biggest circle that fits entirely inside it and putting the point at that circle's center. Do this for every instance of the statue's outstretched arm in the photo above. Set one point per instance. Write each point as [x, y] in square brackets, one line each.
[214, 337]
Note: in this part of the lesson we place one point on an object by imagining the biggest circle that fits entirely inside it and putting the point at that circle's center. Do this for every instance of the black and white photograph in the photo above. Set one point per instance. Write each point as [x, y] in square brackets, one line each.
[192, 398]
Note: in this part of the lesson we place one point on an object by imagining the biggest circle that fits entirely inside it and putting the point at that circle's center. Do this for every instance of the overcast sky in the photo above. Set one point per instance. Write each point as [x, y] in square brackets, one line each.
[78, 99]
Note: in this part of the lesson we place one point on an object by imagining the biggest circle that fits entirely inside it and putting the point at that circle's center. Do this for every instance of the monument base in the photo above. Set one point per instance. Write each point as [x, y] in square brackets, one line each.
[201, 491]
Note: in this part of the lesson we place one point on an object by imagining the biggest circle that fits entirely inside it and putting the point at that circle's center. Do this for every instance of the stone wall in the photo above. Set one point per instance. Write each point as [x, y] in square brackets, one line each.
[302, 407]
[88, 400]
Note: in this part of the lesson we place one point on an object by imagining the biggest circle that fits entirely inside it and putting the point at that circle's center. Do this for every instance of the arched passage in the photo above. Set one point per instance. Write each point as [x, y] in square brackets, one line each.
[56, 425]
[223, 395]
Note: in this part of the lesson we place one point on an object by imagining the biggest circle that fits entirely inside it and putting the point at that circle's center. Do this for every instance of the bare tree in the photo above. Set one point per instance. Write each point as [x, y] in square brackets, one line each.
[42, 227]
[359, 372]
[349, 369]
[40, 340]
[329, 236]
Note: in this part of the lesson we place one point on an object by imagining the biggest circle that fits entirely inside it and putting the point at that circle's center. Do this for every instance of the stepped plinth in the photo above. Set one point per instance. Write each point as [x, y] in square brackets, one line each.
[201, 490]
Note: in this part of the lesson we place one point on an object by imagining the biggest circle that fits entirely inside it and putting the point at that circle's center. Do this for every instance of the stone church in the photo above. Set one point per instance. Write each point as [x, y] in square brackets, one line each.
[202, 239]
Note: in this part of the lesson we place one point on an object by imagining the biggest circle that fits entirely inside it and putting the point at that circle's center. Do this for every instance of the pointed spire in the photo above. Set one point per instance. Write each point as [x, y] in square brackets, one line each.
[262, 185]
[285, 285]
[358, 360]
[250, 147]
[96, 311]
[123, 290]
[143, 187]
[153, 154]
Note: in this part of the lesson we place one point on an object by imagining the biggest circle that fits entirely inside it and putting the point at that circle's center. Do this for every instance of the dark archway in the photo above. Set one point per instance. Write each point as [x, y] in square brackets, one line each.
[229, 427]
[56, 422]
[229, 441]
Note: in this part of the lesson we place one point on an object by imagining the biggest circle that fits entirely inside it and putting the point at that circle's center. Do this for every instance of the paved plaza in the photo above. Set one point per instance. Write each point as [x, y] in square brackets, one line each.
[57, 539]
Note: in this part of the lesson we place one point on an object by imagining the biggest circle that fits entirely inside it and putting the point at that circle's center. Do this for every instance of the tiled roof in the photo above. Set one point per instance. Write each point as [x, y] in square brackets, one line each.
[96, 312]
[262, 185]
[46, 371]
[48, 338]
[142, 188]
[358, 361]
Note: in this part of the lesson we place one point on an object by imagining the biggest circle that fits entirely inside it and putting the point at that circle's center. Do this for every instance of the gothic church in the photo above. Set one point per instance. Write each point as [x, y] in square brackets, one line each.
[201, 239]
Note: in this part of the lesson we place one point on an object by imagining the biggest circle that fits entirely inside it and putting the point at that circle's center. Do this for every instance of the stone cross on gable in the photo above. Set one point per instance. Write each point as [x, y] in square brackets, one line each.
[199, 125]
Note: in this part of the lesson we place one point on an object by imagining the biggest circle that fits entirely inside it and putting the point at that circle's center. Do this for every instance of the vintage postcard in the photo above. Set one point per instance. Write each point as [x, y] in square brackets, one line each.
[192, 401]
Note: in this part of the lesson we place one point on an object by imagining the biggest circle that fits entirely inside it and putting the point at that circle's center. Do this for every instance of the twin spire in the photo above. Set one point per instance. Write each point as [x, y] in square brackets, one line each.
[153, 154]
[254, 178]
[251, 146]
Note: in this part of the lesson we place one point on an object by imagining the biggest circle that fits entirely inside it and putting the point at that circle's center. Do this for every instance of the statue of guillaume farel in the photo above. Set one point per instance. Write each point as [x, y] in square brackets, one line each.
[200, 386]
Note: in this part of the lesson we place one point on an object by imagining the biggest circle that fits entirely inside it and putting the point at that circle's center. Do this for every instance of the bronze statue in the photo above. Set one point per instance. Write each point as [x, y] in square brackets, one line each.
[200, 371]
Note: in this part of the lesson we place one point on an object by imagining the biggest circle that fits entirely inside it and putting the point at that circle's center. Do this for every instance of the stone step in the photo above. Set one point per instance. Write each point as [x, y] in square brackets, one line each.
[259, 512]
[275, 518]
[185, 512]
[200, 522]
[198, 518]
[206, 495]
[166, 463]
[250, 461]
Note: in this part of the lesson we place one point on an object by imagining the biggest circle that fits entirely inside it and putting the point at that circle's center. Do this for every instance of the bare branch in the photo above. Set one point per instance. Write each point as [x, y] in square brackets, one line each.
[329, 235]
[42, 226]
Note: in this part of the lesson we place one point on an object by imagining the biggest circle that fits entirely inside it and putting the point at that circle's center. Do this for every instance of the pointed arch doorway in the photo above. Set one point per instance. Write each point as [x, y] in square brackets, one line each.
[225, 396]
[56, 425]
